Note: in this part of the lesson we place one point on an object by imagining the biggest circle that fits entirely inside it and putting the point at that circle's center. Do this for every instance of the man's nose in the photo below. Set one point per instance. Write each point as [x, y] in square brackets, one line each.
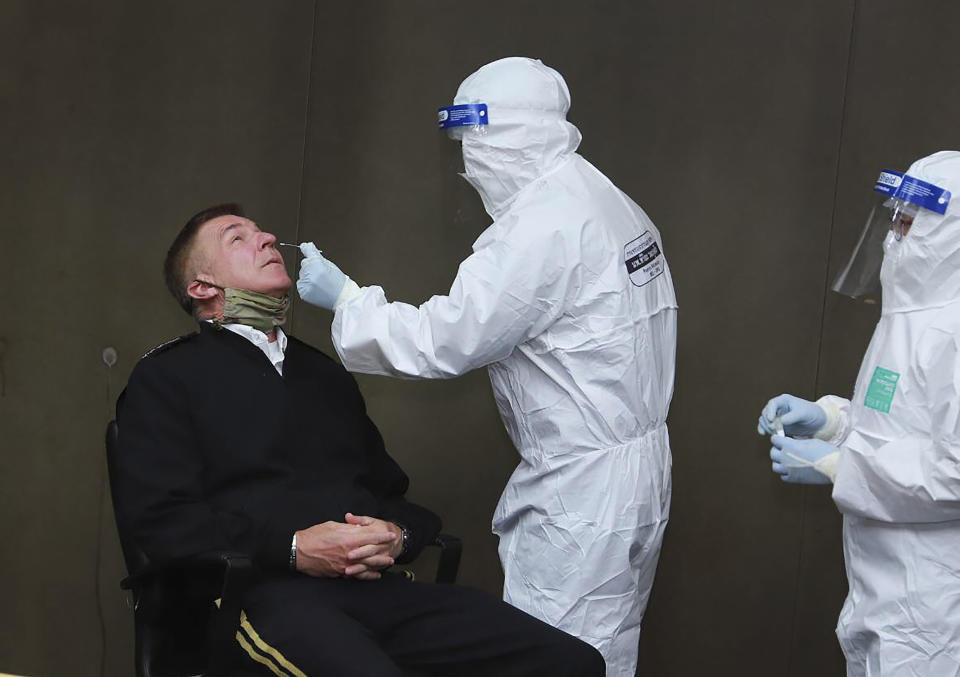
[267, 240]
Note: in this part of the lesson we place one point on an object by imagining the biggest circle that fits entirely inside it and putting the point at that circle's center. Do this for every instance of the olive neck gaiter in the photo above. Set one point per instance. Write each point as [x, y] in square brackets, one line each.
[260, 311]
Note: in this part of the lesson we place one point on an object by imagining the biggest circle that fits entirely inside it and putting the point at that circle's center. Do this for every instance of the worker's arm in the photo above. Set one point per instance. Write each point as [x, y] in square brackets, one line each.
[914, 478]
[507, 292]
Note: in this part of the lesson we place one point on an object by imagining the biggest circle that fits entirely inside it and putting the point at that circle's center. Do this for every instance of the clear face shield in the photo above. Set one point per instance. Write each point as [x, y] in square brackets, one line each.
[901, 199]
[467, 118]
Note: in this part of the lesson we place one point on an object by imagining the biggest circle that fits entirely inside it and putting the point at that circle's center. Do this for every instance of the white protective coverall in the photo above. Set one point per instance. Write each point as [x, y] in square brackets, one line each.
[898, 473]
[568, 300]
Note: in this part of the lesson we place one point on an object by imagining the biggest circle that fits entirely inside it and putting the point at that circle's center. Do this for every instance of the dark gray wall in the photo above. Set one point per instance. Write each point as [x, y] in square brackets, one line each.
[750, 132]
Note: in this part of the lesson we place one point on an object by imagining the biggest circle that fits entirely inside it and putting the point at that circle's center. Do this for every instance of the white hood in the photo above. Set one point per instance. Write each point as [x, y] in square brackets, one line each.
[527, 135]
[923, 269]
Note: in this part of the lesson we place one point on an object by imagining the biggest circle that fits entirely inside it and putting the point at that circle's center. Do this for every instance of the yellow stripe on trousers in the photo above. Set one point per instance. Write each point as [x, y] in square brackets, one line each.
[280, 666]
[263, 660]
[266, 648]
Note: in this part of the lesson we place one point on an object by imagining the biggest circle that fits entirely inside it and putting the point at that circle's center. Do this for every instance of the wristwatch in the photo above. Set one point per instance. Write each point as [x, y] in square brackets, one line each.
[404, 540]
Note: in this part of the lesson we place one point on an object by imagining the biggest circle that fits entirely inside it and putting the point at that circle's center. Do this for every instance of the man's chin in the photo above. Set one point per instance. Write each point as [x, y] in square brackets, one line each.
[279, 288]
[280, 292]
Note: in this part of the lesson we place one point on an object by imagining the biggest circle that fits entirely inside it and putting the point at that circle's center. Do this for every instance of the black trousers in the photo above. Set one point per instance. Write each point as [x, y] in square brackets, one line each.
[297, 625]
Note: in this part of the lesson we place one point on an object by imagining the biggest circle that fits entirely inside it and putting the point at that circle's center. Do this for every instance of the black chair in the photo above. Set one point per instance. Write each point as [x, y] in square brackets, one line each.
[178, 632]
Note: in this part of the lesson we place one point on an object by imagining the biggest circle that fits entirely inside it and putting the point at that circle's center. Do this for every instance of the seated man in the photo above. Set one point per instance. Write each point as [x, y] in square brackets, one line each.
[240, 437]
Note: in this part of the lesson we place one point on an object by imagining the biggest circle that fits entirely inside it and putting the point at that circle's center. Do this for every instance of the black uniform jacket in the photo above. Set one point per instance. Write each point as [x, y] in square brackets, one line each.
[218, 451]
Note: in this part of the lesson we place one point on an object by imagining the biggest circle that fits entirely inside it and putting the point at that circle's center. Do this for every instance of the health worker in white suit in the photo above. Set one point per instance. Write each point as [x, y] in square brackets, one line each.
[892, 452]
[567, 300]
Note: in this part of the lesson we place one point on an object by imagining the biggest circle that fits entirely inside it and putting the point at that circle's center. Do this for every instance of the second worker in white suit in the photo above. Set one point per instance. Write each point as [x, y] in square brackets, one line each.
[892, 451]
[567, 299]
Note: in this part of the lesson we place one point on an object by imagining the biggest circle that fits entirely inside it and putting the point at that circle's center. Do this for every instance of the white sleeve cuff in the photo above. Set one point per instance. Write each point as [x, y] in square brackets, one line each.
[828, 465]
[833, 428]
[349, 292]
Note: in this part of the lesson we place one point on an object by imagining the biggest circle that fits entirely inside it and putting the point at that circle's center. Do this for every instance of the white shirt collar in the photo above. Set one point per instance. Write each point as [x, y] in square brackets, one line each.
[274, 351]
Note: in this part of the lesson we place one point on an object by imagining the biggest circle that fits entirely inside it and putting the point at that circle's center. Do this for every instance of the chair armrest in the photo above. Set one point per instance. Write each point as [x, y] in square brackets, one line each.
[235, 563]
[237, 576]
[451, 548]
[236, 571]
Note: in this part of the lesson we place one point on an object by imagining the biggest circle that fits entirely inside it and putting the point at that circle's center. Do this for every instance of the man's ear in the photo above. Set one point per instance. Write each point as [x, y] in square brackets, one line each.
[202, 291]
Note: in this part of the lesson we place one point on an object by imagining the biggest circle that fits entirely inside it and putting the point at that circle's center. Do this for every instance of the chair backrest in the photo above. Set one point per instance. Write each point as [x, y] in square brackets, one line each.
[170, 626]
[133, 557]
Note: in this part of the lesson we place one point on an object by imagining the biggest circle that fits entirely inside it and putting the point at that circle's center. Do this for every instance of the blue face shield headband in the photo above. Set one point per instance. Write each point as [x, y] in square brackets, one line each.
[901, 199]
[914, 191]
[457, 120]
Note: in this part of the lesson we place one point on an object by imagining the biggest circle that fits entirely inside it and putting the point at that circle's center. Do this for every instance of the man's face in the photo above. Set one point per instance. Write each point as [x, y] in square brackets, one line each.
[234, 252]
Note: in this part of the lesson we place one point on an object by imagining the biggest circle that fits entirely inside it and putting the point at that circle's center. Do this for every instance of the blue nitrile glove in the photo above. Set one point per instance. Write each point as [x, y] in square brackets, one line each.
[320, 281]
[798, 416]
[802, 461]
